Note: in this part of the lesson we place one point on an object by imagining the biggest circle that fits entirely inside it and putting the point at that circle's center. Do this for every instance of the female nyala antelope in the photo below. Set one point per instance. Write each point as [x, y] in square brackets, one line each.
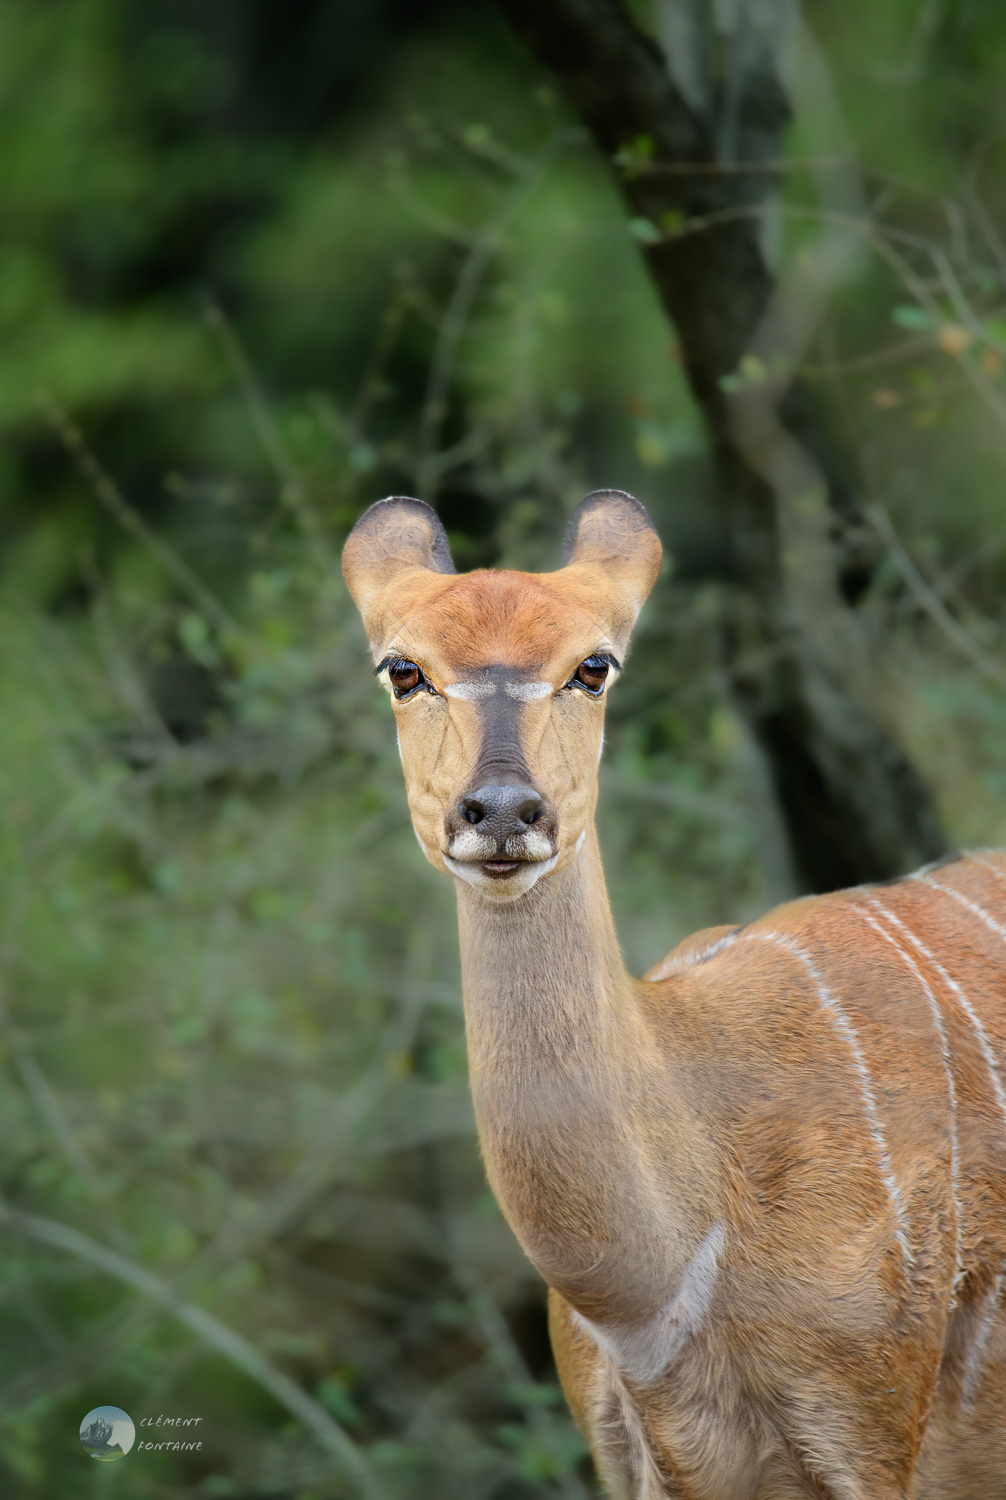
[766, 1184]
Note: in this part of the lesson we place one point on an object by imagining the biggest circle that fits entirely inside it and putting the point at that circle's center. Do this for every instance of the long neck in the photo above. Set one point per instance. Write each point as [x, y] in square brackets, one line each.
[571, 1090]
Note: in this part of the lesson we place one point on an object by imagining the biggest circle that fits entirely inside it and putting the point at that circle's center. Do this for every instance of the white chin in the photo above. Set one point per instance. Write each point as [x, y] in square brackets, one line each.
[494, 889]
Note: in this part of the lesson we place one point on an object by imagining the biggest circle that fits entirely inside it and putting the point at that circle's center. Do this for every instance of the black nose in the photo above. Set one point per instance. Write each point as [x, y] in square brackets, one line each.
[502, 811]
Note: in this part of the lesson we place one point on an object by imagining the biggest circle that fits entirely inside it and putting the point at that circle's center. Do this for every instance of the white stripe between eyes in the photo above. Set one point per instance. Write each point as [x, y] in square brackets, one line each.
[524, 692]
[527, 692]
[470, 691]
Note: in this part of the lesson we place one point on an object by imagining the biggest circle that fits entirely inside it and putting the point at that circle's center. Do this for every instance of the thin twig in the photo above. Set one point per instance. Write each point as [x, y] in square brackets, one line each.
[640, 167]
[460, 305]
[401, 185]
[976, 376]
[989, 234]
[370, 380]
[857, 363]
[961, 305]
[932, 603]
[271, 439]
[951, 577]
[112, 498]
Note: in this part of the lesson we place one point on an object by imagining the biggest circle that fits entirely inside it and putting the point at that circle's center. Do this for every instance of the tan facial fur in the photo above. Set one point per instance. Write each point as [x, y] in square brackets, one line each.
[498, 651]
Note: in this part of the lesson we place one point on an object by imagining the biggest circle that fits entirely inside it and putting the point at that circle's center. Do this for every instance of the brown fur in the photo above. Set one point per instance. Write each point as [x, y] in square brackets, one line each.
[823, 1089]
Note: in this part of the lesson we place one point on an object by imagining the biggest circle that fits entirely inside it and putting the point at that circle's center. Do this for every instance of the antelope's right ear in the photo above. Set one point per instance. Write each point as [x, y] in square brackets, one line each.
[394, 537]
[611, 538]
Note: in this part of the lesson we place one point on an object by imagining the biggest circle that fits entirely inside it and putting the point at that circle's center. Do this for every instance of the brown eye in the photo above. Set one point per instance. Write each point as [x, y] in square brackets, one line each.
[592, 674]
[407, 678]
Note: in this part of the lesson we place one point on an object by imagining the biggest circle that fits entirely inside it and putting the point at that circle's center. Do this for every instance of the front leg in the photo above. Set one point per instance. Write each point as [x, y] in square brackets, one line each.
[605, 1412]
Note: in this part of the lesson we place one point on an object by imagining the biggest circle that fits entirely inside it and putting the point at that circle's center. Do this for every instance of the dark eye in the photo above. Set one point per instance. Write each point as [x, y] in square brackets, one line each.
[405, 677]
[591, 675]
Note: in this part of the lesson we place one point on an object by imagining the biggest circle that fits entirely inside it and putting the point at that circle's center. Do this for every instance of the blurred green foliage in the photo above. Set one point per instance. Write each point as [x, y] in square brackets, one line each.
[239, 302]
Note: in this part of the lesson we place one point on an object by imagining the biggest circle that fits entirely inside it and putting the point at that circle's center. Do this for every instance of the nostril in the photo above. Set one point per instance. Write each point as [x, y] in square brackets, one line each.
[530, 810]
[472, 809]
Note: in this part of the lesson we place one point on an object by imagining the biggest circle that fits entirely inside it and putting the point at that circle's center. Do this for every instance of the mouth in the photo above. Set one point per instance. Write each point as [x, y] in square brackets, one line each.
[516, 876]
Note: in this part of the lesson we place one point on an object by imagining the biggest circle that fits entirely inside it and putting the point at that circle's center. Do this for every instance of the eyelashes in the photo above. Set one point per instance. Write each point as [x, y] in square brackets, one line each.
[592, 673]
[406, 677]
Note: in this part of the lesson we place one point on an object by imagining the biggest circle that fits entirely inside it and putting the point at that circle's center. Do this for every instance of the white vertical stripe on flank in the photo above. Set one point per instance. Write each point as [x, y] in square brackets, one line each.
[847, 1032]
[941, 1032]
[973, 1364]
[962, 900]
[962, 1000]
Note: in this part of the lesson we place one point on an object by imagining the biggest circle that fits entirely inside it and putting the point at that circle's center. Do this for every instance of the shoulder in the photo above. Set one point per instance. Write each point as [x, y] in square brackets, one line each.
[796, 944]
[698, 948]
[714, 949]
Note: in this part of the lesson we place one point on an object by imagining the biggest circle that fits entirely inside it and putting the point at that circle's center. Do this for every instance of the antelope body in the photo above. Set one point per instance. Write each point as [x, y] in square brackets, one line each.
[766, 1184]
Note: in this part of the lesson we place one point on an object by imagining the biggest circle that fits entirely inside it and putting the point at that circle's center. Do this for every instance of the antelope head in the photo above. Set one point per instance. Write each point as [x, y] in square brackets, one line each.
[499, 680]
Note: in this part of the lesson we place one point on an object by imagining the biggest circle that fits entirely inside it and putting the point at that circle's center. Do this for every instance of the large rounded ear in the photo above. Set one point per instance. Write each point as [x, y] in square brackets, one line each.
[611, 532]
[394, 536]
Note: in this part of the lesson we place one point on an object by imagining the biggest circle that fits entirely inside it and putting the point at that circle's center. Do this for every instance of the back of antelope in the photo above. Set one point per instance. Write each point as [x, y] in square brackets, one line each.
[766, 1184]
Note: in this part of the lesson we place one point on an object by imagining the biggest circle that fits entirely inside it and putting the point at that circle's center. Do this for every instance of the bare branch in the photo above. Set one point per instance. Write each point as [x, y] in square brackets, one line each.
[930, 601]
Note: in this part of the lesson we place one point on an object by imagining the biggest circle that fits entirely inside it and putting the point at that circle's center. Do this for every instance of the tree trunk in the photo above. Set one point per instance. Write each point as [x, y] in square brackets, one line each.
[854, 808]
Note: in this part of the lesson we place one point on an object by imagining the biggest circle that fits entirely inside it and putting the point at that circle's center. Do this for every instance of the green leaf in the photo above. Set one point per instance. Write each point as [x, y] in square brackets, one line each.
[332, 1393]
[750, 373]
[753, 370]
[194, 634]
[362, 458]
[914, 318]
[645, 231]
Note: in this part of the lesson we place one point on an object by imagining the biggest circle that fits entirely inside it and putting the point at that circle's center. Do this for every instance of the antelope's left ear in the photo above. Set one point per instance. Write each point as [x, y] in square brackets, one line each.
[611, 535]
[394, 537]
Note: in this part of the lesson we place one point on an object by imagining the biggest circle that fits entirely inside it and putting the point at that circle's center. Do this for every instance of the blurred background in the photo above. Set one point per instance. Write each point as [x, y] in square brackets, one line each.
[261, 264]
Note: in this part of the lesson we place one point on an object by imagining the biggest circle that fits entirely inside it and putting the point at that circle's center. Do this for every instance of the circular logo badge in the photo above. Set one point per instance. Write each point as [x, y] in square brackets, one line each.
[107, 1433]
